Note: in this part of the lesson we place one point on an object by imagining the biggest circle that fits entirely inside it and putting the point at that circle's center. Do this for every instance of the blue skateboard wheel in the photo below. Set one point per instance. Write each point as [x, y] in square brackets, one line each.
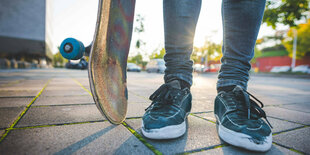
[72, 49]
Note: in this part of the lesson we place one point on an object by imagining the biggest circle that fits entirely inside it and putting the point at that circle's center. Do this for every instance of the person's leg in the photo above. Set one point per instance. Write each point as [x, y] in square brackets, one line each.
[241, 22]
[180, 19]
[239, 117]
[171, 103]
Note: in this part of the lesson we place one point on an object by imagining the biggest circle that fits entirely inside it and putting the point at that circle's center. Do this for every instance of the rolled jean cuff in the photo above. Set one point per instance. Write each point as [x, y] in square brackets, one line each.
[231, 82]
[179, 76]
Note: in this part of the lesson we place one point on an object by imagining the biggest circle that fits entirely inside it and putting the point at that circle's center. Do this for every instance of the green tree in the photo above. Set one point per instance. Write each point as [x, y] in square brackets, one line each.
[139, 29]
[210, 50]
[257, 54]
[138, 59]
[156, 55]
[58, 59]
[275, 38]
[303, 40]
[287, 12]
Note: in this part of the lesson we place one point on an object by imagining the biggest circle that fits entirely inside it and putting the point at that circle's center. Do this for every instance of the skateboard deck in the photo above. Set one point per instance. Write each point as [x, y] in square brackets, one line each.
[108, 58]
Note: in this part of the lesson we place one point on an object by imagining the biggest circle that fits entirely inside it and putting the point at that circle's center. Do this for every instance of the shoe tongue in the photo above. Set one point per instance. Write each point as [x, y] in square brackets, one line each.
[175, 84]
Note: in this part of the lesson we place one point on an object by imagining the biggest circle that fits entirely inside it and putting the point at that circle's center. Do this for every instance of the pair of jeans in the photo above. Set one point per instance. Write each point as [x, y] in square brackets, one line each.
[241, 22]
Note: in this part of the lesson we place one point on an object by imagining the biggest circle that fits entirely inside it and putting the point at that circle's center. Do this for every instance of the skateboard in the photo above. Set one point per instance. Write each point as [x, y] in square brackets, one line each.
[108, 57]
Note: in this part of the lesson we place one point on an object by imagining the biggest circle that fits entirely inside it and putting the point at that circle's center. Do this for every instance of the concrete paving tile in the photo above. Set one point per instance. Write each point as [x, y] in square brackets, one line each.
[231, 150]
[61, 80]
[289, 99]
[15, 102]
[29, 83]
[144, 79]
[34, 88]
[202, 105]
[143, 93]
[92, 138]
[60, 114]
[136, 109]
[203, 96]
[63, 87]
[278, 125]
[5, 81]
[297, 139]
[9, 115]
[62, 84]
[27, 88]
[207, 81]
[200, 134]
[209, 116]
[303, 107]
[291, 115]
[275, 95]
[133, 98]
[10, 93]
[63, 100]
[83, 81]
[64, 92]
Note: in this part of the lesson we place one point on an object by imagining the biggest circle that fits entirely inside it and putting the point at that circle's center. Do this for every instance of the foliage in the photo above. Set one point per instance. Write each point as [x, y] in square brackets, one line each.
[276, 38]
[303, 40]
[273, 53]
[139, 29]
[278, 47]
[286, 12]
[257, 54]
[210, 50]
[160, 55]
[58, 60]
[138, 59]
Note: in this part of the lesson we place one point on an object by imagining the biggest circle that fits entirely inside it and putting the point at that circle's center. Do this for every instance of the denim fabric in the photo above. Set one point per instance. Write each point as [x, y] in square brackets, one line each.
[241, 23]
[180, 19]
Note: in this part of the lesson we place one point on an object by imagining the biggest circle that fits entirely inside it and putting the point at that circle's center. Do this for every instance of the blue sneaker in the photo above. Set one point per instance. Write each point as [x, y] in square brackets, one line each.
[166, 117]
[240, 121]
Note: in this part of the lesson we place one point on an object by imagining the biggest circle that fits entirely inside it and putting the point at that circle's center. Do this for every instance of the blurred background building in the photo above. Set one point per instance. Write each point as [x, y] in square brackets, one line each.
[25, 33]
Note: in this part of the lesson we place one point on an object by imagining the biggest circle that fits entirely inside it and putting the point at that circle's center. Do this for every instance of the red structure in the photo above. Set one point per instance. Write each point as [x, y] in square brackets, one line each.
[265, 64]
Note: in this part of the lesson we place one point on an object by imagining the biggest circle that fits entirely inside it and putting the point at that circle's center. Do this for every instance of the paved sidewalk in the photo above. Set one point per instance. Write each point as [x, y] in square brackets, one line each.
[51, 111]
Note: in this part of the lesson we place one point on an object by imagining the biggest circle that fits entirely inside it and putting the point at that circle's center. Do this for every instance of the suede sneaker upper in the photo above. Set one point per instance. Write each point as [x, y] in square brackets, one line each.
[240, 120]
[169, 109]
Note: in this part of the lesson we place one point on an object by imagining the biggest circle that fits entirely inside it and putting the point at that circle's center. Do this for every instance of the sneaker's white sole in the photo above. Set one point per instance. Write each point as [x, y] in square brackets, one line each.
[243, 140]
[169, 132]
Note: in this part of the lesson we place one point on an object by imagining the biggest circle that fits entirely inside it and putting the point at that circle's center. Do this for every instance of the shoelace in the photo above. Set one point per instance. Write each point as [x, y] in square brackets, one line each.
[162, 96]
[252, 106]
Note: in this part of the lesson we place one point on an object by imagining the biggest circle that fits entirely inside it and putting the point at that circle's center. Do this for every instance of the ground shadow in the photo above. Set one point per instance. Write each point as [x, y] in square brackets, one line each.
[80, 144]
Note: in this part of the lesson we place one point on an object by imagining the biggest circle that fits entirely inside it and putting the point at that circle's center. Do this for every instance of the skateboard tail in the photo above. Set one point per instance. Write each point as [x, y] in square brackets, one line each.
[108, 58]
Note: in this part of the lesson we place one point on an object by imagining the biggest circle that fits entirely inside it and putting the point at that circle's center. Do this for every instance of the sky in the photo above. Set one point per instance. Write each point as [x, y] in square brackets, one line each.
[77, 19]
